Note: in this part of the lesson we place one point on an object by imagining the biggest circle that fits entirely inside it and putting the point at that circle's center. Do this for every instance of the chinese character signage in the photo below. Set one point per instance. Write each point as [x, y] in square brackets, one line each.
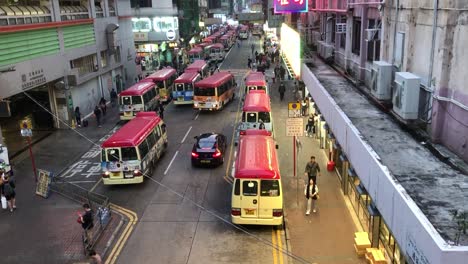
[290, 6]
[43, 183]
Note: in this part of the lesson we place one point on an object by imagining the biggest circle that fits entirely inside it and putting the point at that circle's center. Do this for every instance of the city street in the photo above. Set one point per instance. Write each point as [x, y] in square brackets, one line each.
[184, 212]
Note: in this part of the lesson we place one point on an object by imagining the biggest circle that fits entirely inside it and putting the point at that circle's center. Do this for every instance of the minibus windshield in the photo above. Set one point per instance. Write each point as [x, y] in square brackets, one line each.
[129, 154]
[205, 91]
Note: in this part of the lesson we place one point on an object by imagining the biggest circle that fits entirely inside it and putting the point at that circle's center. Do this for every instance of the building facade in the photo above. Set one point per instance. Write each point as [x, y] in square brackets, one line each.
[63, 54]
[155, 26]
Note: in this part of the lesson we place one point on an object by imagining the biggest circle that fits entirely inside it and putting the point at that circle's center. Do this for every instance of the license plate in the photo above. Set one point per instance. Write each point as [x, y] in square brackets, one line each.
[180, 98]
[205, 161]
[128, 113]
[201, 103]
[128, 176]
[249, 211]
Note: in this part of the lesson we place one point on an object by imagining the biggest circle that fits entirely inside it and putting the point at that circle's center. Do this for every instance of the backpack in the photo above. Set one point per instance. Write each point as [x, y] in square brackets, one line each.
[8, 189]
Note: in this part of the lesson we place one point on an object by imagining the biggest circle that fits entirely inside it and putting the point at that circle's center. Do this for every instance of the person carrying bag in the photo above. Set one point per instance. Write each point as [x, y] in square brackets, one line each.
[311, 194]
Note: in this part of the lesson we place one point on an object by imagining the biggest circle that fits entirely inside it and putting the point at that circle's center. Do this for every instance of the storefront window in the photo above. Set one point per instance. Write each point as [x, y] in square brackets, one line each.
[141, 24]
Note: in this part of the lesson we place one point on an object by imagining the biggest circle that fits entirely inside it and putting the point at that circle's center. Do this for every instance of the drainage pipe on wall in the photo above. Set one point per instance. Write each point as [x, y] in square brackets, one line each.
[395, 30]
[431, 62]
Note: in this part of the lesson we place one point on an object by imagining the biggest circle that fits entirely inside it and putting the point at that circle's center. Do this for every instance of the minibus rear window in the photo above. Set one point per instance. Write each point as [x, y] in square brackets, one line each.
[249, 188]
[252, 117]
[269, 188]
[136, 100]
[180, 87]
[129, 153]
[237, 187]
[264, 116]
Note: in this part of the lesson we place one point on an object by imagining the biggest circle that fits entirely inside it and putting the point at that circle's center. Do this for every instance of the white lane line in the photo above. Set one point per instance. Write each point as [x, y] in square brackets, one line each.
[170, 163]
[196, 117]
[82, 181]
[186, 134]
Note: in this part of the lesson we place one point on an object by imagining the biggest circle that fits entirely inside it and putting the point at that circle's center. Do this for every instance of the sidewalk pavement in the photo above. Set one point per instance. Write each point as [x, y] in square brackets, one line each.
[45, 230]
[326, 236]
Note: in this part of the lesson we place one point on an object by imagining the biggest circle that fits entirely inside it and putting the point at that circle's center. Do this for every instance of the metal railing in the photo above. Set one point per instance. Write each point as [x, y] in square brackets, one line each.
[99, 205]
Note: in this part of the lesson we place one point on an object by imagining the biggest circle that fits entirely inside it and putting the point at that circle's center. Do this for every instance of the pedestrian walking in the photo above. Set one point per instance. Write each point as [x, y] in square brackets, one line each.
[238, 43]
[249, 63]
[97, 114]
[253, 48]
[304, 107]
[87, 222]
[311, 194]
[312, 169]
[8, 190]
[310, 126]
[95, 257]
[282, 72]
[103, 106]
[113, 96]
[161, 110]
[78, 116]
[282, 90]
[143, 65]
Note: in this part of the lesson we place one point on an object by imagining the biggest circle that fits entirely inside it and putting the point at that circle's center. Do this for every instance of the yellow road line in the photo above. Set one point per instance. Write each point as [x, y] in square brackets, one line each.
[273, 241]
[133, 218]
[280, 246]
[226, 176]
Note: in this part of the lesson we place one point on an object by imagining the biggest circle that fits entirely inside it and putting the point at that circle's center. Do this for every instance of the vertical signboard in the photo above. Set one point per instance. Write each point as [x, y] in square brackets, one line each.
[290, 6]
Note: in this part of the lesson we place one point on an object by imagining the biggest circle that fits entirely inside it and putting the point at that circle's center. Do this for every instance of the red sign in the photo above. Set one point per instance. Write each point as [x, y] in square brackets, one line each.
[290, 6]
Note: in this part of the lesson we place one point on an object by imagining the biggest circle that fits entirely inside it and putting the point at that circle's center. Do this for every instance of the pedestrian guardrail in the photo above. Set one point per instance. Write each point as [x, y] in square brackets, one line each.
[99, 205]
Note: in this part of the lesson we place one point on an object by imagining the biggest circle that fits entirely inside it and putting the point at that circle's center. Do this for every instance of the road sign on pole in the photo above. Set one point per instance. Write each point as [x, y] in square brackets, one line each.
[294, 127]
[294, 109]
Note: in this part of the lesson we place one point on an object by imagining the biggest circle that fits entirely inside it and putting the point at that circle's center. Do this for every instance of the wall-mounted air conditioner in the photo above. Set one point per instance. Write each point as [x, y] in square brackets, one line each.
[406, 95]
[381, 80]
[328, 51]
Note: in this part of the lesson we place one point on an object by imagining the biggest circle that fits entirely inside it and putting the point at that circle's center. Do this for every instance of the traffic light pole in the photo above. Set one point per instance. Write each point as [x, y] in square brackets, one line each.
[32, 158]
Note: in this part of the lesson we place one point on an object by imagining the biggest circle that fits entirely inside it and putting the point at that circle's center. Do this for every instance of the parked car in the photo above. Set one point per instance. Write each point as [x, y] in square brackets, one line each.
[209, 149]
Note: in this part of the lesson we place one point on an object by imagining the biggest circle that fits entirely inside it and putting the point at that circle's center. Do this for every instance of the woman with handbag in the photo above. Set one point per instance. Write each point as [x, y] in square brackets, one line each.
[8, 190]
[311, 193]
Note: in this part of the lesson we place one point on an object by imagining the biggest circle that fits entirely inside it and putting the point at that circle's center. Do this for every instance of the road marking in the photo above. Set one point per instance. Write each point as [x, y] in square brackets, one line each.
[196, 117]
[133, 219]
[170, 163]
[82, 182]
[280, 246]
[273, 242]
[96, 185]
[186, 134]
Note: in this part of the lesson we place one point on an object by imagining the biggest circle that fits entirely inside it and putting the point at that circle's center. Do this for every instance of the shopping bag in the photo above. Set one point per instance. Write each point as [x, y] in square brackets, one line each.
[4, 202]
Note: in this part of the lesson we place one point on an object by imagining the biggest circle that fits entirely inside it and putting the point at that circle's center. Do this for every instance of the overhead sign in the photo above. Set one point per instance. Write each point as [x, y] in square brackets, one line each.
[140, 36]
[290, 6]
[171, 34]
[294, 127]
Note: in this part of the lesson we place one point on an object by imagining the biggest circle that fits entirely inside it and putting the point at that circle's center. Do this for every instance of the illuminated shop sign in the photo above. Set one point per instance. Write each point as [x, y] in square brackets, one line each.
[291, 46]
[290, 6]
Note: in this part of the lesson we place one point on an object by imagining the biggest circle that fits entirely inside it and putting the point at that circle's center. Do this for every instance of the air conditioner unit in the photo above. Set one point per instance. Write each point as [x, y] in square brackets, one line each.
[406, 95]
[381, 80]
[328, 51]
[340, 27]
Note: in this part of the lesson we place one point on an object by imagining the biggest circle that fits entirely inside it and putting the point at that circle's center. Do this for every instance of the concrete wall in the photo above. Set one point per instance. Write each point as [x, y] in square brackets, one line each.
[412, 230]
[449, 76]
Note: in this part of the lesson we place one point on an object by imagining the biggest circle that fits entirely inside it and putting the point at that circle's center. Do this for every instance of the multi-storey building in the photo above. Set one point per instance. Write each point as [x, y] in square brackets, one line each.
[408, 56]
[156, 32]
[62, 54]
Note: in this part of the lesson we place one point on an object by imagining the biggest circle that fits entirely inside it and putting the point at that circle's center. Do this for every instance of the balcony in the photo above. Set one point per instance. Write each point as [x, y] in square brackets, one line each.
[21, 15]
[339, 6]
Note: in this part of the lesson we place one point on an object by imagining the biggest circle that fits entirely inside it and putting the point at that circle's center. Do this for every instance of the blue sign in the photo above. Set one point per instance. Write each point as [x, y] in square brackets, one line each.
[290, 6]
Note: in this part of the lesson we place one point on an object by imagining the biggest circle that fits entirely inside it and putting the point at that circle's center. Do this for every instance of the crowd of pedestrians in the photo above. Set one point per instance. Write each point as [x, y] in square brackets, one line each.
[99, 111]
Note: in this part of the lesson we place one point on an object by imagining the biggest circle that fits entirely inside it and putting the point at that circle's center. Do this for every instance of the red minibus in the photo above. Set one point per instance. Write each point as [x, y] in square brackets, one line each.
[257, 196]
[183, 87]
[199, 66]
[142, 96]
[164, 79]
[256, 81]
[214, 92]
[256, 112]
[196, 53]
[132, 151]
